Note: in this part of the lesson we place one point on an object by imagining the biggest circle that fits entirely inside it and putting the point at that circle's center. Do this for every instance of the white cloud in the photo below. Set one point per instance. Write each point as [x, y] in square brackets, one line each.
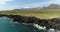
[4, 1]
[27, 7]
[31, 5]
[51, 2]
[41, 4]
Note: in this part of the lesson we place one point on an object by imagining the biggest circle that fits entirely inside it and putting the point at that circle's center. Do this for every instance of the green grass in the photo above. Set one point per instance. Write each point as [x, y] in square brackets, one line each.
[38, 14]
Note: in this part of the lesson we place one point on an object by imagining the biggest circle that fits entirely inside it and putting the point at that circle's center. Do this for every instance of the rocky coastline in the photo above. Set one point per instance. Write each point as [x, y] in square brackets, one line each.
[48, 23]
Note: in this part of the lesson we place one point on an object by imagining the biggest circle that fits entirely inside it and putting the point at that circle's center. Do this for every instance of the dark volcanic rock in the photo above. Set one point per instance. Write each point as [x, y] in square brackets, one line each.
[43, 22]
[55, 23]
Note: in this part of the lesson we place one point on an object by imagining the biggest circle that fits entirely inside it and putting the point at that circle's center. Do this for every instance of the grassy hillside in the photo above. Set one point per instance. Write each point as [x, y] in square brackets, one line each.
[39, 14]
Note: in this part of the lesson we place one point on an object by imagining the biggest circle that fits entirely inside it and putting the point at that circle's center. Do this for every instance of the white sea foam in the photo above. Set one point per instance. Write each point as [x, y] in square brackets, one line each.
[50, 30]
[53, 30]
[39, 27]
[16, 22]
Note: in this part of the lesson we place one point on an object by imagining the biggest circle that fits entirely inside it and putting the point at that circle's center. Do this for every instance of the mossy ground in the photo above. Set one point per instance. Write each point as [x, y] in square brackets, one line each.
[40, 14]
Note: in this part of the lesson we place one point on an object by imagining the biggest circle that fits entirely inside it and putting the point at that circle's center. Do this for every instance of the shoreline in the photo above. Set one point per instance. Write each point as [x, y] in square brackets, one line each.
[49, 23]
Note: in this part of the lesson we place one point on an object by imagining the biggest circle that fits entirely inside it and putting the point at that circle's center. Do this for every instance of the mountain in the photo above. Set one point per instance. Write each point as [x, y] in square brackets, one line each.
[53, 6]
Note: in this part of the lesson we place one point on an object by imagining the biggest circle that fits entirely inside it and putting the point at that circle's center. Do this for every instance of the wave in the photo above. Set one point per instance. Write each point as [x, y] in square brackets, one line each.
[44, 28]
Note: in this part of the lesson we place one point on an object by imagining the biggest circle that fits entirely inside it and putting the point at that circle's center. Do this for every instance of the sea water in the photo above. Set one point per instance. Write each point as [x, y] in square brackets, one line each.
[7, 25]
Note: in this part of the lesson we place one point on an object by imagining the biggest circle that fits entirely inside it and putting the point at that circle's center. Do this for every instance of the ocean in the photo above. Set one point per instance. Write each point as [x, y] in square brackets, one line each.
[7, 25]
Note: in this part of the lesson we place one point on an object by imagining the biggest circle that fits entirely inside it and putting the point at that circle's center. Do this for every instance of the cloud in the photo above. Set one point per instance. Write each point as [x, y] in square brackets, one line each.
[51, 2]
[31, 5]
[55, 1]
[27, 7]
[11, 7]
[42, 4]
[5, 1]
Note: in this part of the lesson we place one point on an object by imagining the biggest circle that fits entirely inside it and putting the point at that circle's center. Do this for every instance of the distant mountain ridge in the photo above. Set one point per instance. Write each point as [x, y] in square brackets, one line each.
[51, 6]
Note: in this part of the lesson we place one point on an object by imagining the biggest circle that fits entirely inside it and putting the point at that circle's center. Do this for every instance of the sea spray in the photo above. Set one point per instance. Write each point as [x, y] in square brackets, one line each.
[39, 27]
[44, 28]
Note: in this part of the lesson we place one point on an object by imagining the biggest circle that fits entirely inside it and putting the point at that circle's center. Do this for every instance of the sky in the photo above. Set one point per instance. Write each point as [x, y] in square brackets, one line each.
[19, 4]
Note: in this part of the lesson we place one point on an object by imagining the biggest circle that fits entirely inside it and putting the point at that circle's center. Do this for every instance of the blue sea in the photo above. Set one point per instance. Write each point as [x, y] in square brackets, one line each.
[7, 25]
